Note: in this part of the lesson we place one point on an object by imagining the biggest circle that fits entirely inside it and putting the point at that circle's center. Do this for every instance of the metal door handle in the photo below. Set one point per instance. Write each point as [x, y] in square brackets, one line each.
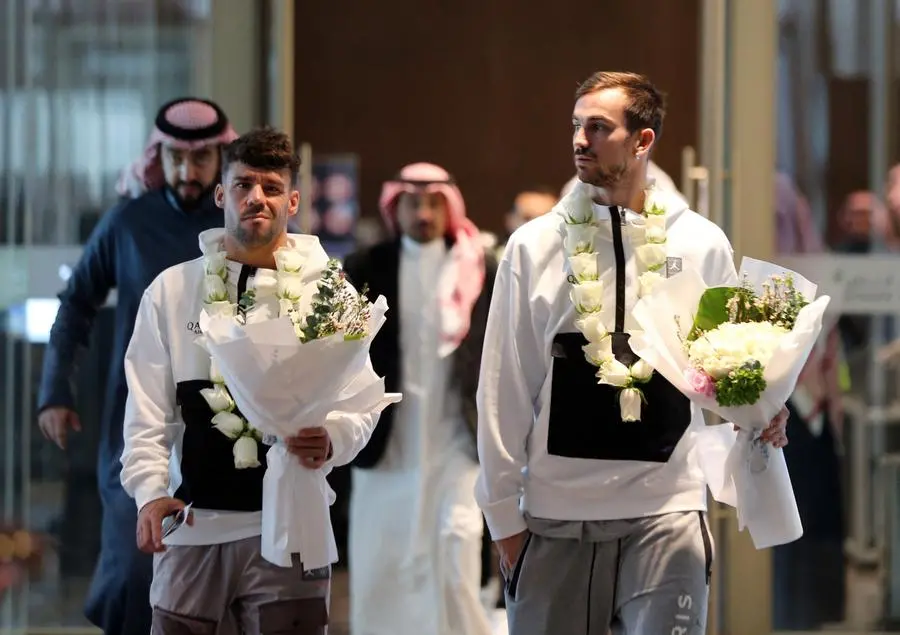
[694, 182]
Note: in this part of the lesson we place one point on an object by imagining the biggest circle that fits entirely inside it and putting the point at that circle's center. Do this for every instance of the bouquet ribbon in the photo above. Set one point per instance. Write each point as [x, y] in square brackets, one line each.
[751, 476]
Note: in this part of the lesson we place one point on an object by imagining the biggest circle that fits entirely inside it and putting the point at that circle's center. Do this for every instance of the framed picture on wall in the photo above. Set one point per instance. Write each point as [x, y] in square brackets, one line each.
[334, 204]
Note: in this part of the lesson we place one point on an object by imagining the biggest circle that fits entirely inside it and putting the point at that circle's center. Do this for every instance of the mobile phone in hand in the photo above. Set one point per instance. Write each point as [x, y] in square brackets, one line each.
[173, 522]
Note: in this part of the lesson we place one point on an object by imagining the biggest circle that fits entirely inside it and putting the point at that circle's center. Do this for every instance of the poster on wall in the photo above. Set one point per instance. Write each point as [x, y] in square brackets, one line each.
[334, 202]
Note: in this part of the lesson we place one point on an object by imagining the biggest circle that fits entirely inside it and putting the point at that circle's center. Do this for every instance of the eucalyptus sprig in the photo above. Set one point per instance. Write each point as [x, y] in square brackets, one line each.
[335, 308]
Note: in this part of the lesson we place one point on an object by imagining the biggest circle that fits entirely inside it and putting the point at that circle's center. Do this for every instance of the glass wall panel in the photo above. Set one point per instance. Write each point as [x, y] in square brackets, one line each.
[80, 83]
[837, 210]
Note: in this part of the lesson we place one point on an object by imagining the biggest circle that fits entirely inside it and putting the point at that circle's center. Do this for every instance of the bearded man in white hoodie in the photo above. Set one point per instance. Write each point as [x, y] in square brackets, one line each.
[209, 574]
[600, 522]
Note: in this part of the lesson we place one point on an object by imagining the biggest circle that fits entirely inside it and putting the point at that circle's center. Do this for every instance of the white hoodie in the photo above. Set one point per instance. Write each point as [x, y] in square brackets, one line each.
[163, 363]
[529, 310]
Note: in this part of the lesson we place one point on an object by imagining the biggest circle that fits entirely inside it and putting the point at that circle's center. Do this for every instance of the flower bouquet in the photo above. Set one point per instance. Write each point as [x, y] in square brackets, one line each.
[296, 370]
[21, 554]
[737, 351]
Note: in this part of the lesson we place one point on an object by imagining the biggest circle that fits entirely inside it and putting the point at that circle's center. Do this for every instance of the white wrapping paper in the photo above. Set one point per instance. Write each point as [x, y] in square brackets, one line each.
[740, 470]
[753, 478]
[282, 386]
[295, 516]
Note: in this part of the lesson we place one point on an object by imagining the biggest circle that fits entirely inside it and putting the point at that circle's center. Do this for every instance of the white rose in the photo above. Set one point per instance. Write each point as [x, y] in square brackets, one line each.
[729, 346]
[641, 370]
[654, 202]
[285, 306]
[246, 454]
[215, 264]
[587, 296]
[228, 424]
[637, 234]
[646, 282]
[600, 352]
[579, 214]
[265, 282]
[218, 398]
[655, 222]
[630, 404]
[651, 256]
[717, 368]
[584, 267]
[655, 235]
[214, 288]
[591, 326]
[288, 260]
[580, 239]
[214, 375]
[614, 373]
[290, 286]
[223, 308]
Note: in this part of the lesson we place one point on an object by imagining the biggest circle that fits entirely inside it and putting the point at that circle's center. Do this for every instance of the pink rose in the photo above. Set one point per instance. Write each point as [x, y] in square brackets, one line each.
[700, 382]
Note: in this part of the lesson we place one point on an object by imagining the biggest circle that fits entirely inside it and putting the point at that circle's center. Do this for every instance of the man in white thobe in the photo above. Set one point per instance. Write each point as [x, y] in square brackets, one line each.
[415, 528]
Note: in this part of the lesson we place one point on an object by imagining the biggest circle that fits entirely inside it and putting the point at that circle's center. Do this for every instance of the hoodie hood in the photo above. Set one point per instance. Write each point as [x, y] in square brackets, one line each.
[315, 259]
[579, 200]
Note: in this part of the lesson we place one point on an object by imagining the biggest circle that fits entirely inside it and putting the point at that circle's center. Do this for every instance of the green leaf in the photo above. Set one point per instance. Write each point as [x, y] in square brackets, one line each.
[712, 310]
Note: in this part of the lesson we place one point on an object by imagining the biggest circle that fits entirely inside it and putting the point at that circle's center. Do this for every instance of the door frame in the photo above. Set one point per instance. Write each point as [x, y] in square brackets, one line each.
[738, 57]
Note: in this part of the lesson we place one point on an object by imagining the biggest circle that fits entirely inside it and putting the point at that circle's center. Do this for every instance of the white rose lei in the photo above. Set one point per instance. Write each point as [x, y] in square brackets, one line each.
[288, 286]
[581, 232]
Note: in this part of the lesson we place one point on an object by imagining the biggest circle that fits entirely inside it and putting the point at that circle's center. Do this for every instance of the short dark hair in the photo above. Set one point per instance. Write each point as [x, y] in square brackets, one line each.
[646, 103]
[263, 149]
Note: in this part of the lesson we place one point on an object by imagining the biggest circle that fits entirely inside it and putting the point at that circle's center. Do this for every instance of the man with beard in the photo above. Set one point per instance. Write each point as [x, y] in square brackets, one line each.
[661, 181]
[209, 575]
[600, 522]
[172, 186]
[415, 528]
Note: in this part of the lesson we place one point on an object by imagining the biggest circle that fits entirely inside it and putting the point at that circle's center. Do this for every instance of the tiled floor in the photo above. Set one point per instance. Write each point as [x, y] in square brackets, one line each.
[55, 609]
[340, 605]
[53, 603]
[340, 624]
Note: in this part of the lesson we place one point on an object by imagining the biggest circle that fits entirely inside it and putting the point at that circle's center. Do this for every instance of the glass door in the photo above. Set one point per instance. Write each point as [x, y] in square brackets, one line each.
[836, 152]
[79, 87]
[798, 161]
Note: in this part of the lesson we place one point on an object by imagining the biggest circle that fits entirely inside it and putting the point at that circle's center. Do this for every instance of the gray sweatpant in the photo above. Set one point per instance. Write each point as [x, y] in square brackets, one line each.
[640, 576]
[230, 589]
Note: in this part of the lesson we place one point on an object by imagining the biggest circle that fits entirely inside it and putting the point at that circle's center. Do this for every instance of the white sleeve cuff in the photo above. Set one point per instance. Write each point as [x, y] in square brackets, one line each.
[504, 518]
[151, 490]
[803, 401]
[338, 443]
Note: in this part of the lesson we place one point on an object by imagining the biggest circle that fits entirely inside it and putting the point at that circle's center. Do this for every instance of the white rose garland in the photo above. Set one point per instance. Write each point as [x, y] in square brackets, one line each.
[587, 295]
[288, 288]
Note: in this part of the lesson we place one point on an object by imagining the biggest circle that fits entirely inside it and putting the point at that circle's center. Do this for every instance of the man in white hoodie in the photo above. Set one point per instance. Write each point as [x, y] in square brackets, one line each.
[209, 575]
[600, 522]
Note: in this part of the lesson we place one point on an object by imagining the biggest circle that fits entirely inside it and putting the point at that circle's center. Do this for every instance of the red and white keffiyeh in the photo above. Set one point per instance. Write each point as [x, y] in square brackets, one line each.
[463, 280]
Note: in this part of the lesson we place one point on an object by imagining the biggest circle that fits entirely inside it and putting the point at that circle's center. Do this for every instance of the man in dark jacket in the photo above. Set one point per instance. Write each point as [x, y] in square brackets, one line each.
[415, 530]
[168, 202]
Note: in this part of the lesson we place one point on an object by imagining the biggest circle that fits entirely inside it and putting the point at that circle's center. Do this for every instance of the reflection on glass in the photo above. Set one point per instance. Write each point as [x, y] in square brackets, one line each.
[79, 83]
[833, 198]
